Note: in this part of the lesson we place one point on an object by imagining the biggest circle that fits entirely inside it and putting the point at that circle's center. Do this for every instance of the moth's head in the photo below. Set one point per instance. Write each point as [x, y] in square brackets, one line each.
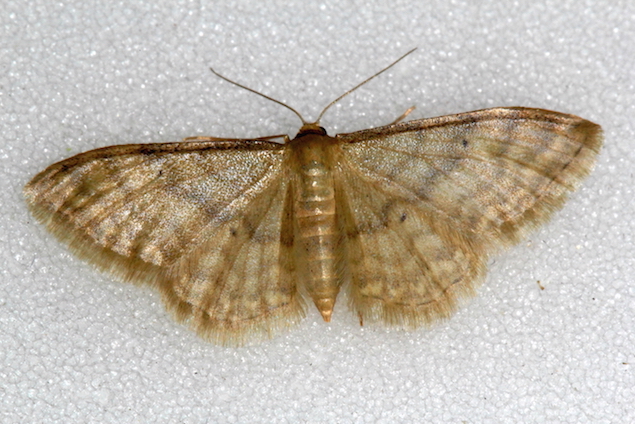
[312, 128]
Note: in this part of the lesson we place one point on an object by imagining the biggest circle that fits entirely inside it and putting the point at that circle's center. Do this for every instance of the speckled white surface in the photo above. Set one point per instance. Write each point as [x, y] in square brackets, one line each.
[77, 346]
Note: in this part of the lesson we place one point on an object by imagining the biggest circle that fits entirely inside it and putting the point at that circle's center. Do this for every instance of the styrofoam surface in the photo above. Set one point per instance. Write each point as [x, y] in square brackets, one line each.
[78, 346]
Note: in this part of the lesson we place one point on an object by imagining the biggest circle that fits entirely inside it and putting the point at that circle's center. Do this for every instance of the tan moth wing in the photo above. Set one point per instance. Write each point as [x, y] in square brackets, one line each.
[200, 220]
[425, 202]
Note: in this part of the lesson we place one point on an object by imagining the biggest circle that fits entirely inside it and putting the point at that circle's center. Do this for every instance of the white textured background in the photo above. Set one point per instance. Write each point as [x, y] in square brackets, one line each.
[78, 347]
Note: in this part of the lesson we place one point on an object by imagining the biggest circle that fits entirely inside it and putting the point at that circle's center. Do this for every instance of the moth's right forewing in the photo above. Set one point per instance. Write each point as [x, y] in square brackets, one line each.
[497, 172]
[428, 201]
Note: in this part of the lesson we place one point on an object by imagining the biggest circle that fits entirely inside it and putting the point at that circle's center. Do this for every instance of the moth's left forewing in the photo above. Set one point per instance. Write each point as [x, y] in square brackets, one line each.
[203, 221]
[149, 201]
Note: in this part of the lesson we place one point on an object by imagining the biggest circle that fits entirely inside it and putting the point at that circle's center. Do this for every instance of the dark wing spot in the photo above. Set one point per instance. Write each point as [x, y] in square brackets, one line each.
[146, 151]
[403, 217]
[465, 143]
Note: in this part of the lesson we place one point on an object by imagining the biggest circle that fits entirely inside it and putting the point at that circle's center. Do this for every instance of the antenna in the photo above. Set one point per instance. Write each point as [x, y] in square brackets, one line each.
[362, 83]
[260, 94]
[329, 105]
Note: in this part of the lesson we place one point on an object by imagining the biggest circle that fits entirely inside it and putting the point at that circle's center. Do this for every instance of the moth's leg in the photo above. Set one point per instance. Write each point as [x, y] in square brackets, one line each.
[403, 116]
[284, 137]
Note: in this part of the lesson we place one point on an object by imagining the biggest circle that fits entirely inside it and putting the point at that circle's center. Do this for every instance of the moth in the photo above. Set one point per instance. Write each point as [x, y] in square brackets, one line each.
[239, 234]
